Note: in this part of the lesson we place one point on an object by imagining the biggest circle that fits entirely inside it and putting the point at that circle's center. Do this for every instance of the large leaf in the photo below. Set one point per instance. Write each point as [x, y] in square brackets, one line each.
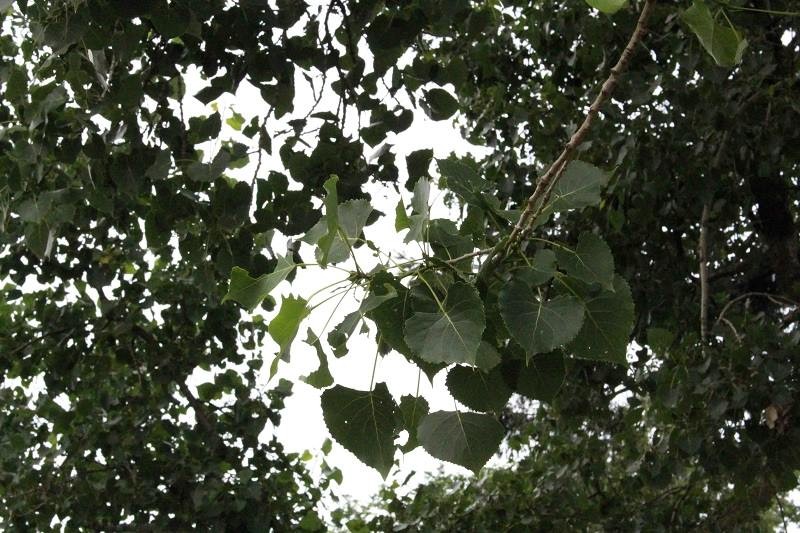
[283, 328]
[364, 422]
[542, 377]
[723, 43]
[447, 331]
[249, 291]
[466, 439]
[413, 409]
[591, 261]
[608, 7]
[579, 187]
[477, 389]
[539, 325]
[608, 324]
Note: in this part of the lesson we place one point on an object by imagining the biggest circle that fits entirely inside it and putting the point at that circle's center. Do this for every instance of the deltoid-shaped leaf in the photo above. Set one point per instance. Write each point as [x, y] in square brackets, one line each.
[364, 422]
[477, 389]
[539, 325]
[340, 334]
[462, 179]
[283, 328]
[439, 104]
[413, 409]
[723, 43]
[608, 324]
[248, 291]
[608, 7]
[542, 377]
[331, 219]
[541, 269]
[591, 261]
[447, 331]
[579, 187]
[466, 439]
[321, 377]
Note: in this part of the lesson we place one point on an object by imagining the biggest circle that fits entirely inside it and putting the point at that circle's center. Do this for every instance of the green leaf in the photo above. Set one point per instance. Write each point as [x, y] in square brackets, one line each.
[417, 163]
[608, 324]
[723, 43]
[364, 422]
[579, 187]
[541, 269]
[542, 377]
[462, 179]
[439, 104]
[420, 211]
[401, 220]
[331, 219]
[448, 331]
[608, 7]
[447, 243]
[321, 377]
[249, 291]
[478, 390]
[159, 170]
[236, 121]
[591, 261]
[412, 409]
[283, 328]
[538, 325]
[340, 334]
[39, 239]
[487, 357]
[466, 439]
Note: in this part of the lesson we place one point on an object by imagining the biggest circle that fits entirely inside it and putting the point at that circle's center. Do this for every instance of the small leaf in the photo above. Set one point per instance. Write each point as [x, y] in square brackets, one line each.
[591, 261]
[466, 439]
[418, 221]
[401, 220]
[609, 7]
[539, 325]
[413, 409]
[159, 170]
[340, 334]
[608, 324]
[363, 422]
[439, 104]
[417, 163]
[447, 331]
[236, 121]
[331, 219]
[248, 291]
[542, 377]
[283, 328]
[321, 377]
[478, 390]
[723, 43]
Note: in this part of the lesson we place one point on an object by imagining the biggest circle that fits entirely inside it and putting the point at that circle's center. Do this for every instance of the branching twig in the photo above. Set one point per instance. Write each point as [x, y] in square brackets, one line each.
[777, 299]
[545, 184]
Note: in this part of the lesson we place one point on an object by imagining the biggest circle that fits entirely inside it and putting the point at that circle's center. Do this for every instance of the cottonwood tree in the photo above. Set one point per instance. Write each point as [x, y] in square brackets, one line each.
[623, 163]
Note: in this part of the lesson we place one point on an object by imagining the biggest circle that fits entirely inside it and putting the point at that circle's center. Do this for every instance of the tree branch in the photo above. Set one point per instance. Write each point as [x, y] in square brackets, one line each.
[703, 253]
[545, 183]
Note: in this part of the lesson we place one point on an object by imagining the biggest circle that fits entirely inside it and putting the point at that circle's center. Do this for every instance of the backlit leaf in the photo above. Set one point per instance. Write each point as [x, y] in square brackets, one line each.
[465, 439]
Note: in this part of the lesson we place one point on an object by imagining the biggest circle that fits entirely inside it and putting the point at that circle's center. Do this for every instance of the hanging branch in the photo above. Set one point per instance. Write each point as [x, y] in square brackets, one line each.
[546, 182]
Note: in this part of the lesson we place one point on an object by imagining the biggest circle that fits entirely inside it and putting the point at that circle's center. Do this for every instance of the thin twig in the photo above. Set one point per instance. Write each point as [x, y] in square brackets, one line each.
[545, 184]
[777, 299]
[703, 253]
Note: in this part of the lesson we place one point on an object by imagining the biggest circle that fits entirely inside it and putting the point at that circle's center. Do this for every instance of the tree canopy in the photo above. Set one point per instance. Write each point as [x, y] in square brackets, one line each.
[626, 257]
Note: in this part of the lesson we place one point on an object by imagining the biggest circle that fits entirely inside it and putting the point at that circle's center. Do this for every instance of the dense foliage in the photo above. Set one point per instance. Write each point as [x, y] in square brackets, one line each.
[664, 214]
